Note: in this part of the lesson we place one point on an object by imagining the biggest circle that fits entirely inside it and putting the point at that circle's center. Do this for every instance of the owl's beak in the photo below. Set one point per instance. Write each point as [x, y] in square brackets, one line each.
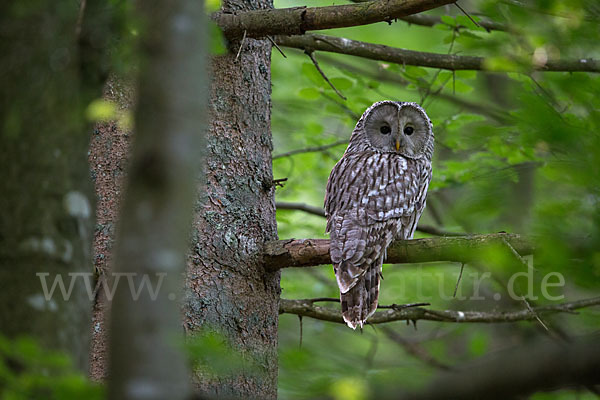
[397, 144]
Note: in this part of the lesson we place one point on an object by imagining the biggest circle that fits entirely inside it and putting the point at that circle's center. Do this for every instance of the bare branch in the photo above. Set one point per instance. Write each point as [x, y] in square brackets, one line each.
[467, 14]
[310, 55]
[307, 308]
[414, 349]
[383, 75]
[276, 46]
[431, 20]
[310, 252]
[431, 230]
[301, 207]
[298, 20]
[311, 149]
[450, 62]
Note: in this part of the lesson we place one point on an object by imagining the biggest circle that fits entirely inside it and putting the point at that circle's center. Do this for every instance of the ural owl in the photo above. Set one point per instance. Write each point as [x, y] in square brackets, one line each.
[376, 193]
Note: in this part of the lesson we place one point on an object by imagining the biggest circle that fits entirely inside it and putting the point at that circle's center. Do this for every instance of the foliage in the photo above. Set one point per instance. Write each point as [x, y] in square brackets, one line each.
[29, 372]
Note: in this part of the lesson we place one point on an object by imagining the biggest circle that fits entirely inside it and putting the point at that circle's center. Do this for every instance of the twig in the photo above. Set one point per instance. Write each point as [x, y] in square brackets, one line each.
[414, 349]
[276, 46]
[309, 53]
[311, 149]
[462, 266]
[80, 16]
[403, 306]
[385, 76]
[241, 45]
[308, 309]
[516, 254]
[279, 182]
[534, 313]
[467, 14]
[300, 321]
[431, 20]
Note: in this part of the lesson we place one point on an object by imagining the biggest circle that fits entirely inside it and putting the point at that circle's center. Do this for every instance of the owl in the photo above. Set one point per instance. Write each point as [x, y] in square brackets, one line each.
[376, 193]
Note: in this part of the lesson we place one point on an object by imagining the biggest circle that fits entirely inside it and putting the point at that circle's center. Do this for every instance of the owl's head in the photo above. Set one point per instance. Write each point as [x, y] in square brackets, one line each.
[394, 127]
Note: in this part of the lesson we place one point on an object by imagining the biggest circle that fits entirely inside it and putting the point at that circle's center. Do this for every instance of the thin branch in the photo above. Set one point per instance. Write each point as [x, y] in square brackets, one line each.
[307, 308]
[301, 207]
[311, 149]
[431, 20]
[276, 46]
[241, 45]
[414, 349]
[383, 75]
[450, 62]
[535, 314]
[298, 20]
[462, 267]
[431, 230]
[309, 53]
[311, 252]
[467, 14]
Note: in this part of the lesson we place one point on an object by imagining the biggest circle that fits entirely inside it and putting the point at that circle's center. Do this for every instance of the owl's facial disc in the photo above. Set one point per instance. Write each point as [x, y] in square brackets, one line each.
[413, 131]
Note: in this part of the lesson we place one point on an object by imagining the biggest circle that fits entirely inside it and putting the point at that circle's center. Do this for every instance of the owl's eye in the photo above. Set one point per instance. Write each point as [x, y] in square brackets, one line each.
[385, 129]
[408, 130]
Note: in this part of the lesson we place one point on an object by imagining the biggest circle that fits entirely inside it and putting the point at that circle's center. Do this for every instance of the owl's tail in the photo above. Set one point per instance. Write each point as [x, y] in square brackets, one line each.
[360, 301]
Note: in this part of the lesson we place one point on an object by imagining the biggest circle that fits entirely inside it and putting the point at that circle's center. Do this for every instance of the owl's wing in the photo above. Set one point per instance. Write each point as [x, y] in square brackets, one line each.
[366, 196]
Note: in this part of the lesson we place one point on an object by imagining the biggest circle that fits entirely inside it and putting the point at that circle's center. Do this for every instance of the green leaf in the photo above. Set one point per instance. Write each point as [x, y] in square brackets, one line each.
[341, 83]
[448, 20]
[310, 72]
[309, 93]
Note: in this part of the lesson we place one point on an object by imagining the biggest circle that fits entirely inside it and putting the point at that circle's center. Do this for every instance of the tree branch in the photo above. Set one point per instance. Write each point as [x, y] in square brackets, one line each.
[382, 75]
[431, 20]
[307, 308]
[409, 57]
[310, 252]
[311, 149]
[414, 349]
[298, 20]
[537, 365]
[431, 230]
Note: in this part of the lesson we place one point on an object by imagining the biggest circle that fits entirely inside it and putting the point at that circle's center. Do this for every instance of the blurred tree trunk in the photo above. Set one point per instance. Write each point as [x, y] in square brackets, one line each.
[50, 69]
[229, 289]
[146, 360]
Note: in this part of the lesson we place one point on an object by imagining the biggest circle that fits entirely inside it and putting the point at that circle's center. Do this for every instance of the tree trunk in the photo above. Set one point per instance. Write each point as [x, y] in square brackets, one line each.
[46, 200]
[230, 290]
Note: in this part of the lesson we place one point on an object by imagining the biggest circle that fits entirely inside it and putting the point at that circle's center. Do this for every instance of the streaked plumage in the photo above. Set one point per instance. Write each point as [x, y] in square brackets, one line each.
[375, 193]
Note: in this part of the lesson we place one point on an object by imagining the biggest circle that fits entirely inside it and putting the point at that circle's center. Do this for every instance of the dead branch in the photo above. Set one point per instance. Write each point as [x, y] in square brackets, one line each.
[307, 308]
[395, 55]
[311, 252]
[414, 349]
